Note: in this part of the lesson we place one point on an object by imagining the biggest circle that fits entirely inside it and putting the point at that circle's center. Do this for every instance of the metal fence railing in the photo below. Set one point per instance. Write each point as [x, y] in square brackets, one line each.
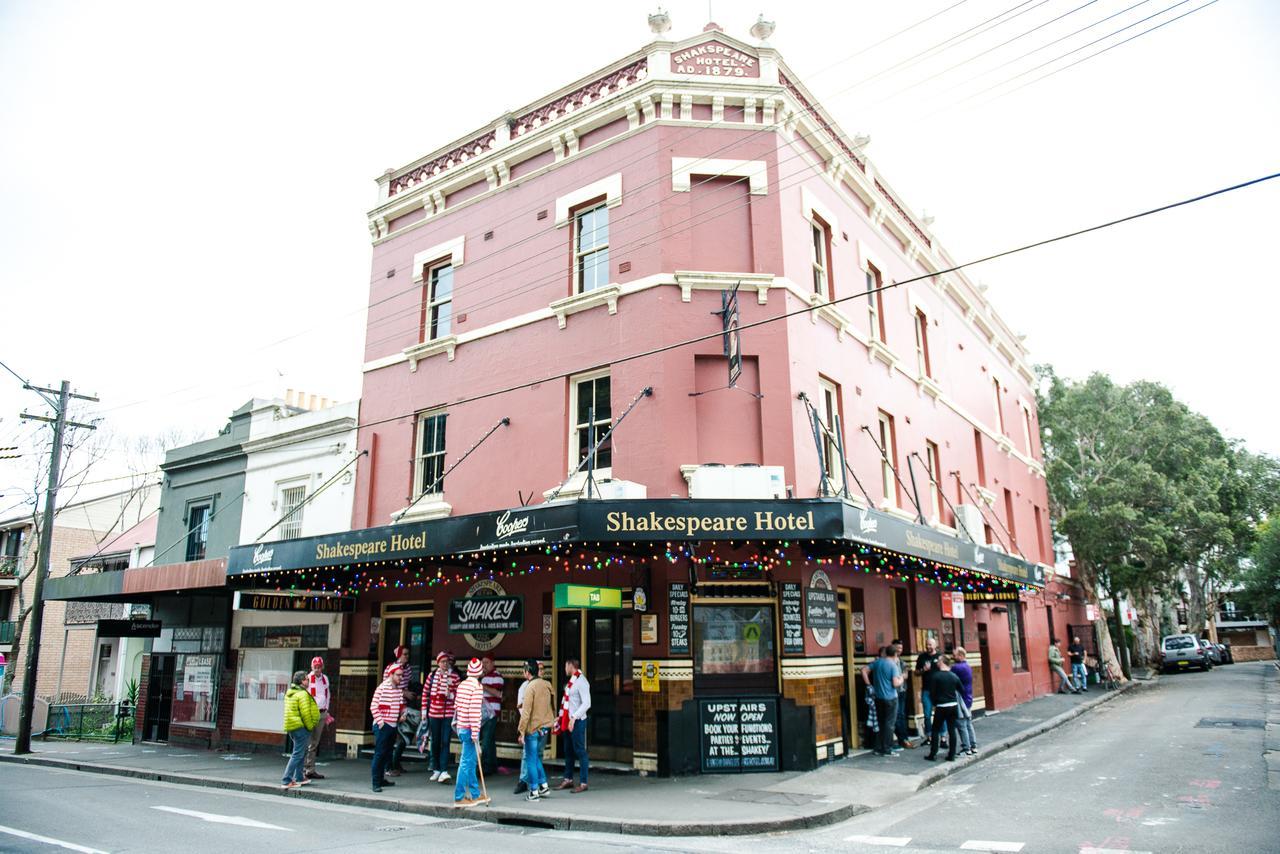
[90, 721]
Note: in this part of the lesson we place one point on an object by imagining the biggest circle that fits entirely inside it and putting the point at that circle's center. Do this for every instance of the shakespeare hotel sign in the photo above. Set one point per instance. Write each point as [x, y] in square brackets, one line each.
[713, 59]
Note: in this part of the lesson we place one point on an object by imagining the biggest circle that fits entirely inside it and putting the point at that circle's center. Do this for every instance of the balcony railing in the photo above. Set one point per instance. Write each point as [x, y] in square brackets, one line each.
[10, 566]
[7, 628]
[1240, 617]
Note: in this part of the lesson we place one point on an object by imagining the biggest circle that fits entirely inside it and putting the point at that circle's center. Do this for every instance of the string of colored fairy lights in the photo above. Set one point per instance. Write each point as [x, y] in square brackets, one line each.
[570, 558]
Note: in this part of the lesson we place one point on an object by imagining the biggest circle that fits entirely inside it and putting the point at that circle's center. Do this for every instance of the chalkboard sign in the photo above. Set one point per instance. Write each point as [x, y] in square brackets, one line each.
[792, 623]
[678, 619]
[820, 609]
[738, 734]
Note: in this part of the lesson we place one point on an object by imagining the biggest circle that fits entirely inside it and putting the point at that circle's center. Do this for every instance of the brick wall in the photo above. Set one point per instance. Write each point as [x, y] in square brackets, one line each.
[824, 695]
[671, 695]
[77, 664]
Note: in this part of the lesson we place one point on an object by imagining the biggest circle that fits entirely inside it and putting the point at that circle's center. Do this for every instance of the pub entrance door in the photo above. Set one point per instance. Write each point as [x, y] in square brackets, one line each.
[407, 624]
[602, 641]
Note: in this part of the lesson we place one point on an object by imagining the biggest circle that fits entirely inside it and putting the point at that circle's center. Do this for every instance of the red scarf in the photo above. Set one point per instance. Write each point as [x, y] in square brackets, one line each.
[565, 724]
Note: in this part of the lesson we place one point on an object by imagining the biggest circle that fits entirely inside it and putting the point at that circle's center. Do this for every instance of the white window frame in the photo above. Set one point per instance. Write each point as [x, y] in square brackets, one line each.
[828, 409]
[432, 303]
[610, 188]
[1026, 426]
[579, 253]
[600, 473]
[875, 303]
[419, 456]
[920, 320]
[295, 521]
[453, 249]
[888, 478]
[995, 391]
[933, 467]
[820, 236]
[684, 168]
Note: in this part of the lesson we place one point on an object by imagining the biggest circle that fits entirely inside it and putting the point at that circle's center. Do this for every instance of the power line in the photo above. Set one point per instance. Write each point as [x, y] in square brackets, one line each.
[808, 309]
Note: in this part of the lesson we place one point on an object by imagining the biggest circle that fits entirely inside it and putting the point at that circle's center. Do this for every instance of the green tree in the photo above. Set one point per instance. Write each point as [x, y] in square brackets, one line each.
[1134, 481]
[1261, 591]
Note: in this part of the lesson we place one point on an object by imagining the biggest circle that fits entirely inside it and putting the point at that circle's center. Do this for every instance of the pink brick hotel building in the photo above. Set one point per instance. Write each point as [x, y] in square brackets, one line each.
[739, 550]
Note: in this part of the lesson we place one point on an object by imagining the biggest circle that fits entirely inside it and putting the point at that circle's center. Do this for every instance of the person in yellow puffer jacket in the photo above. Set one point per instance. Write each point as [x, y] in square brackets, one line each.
[300, 716]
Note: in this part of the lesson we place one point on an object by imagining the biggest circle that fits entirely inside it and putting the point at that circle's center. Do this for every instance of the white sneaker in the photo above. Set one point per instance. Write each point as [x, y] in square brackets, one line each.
[444, 777]
[435, 775]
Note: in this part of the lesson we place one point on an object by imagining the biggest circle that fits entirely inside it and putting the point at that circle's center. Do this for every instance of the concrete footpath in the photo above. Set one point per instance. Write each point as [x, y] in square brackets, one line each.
[706, 805]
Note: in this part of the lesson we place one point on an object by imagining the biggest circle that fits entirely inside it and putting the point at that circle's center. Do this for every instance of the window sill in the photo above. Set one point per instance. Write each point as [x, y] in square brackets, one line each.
[876, 349]
[828, 312]
[929, 386]
[987, 496]
[426, 349]
[607, 296]
[428, 508]
[576, 486]
[1006, 444]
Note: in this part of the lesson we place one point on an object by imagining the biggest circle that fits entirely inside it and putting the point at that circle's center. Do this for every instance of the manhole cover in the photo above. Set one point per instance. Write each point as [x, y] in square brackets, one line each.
[391, 828]
[1231, 723]
[753, 796]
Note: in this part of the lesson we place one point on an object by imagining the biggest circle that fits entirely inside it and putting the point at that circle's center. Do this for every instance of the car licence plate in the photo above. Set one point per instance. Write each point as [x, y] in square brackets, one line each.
[1182, 663]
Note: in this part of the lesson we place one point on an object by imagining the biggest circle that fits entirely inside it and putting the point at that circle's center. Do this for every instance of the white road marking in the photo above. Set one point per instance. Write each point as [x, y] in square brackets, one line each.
[1110, 851]
[988, 845]
[48, 840]
[225, 819]
[895, 841]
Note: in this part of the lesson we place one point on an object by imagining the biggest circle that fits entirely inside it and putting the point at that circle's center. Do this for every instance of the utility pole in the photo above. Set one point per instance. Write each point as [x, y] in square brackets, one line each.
[60, 424]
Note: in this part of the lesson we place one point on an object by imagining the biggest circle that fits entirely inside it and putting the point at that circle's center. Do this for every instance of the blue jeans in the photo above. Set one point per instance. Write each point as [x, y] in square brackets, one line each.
[298, 740]
[900, 721]
[575, 751]
[488, 745]
[384, 739]
[441, 731]
[535, 774]
[467, 780]
[964, 725]
[1081, 675]
[928, 713]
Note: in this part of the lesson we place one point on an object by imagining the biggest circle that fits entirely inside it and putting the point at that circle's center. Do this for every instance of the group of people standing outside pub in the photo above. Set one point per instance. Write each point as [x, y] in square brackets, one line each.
[427, 713]
[947, 697]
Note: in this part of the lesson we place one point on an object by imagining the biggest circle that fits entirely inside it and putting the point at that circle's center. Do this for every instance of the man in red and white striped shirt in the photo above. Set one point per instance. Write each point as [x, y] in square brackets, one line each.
[467, 716]
[439, 690]
[387, 708]
[317, 686]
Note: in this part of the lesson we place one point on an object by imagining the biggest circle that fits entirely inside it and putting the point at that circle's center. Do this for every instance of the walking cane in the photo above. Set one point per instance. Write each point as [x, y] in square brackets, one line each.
[484, 793]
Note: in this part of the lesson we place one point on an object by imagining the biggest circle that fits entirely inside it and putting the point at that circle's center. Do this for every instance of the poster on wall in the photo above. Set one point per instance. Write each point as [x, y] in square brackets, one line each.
[821, 613]
[738, 734]
[792, 619]
[952, 605]
[197, 677]
[648, 628]
[678, 619]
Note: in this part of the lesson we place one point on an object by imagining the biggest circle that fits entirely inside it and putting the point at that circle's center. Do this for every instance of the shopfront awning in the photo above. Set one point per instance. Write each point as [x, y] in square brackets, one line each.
[139, 584]
[600, 523]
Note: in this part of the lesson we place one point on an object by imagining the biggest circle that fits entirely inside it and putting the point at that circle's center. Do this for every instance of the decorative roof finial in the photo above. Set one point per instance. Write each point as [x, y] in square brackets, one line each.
[761, 30]
[659, 21]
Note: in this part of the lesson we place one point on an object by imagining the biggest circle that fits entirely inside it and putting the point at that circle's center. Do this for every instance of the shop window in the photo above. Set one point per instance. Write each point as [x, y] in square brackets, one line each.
[437, 302]
[197, 672]
[591, 247]
[591, 399]
[1017, 638]
[263, 679]
[291, 510]
[733, 648]
[821, 236]
[429, 462]
[198, 516]
[875, 305]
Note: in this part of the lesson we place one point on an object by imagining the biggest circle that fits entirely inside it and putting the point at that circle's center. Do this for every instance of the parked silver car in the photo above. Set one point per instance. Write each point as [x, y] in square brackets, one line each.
[1182, 652]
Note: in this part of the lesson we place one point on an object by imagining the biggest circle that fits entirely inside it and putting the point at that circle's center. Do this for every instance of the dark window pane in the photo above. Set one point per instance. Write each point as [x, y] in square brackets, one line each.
[602, 397]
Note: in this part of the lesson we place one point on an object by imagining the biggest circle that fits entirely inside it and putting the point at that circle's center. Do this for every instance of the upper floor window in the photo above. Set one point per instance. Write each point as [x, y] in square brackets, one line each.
[995, 398]
[437, 305]
[429, 458]
[875, 304]
[590, 405]
[291, 509]
[923, 367]
[933, 465]
[591, 247]
[828, 406]
[198, 516]
[888, 477]
[977, 451]
[1008, 514]
[11, 542]
[1026, 429]
[821, 236]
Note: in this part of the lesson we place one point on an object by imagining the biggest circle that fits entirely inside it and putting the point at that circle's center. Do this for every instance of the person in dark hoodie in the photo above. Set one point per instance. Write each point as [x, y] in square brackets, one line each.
[945, 691]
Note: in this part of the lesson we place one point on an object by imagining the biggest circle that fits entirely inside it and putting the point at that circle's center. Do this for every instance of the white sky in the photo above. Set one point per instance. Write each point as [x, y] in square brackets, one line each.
[183, 187]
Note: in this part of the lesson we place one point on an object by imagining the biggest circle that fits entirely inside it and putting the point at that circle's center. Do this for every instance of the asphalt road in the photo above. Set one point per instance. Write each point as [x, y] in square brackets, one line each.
[1142, 773]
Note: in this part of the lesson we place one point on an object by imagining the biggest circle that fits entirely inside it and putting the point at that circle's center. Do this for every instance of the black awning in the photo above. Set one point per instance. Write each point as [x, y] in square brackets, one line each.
[659, 520]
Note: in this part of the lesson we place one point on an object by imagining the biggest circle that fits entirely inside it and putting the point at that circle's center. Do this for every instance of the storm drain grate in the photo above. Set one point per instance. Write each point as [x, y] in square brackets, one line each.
[1231, 723]
[391, 828]
[754, 796]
